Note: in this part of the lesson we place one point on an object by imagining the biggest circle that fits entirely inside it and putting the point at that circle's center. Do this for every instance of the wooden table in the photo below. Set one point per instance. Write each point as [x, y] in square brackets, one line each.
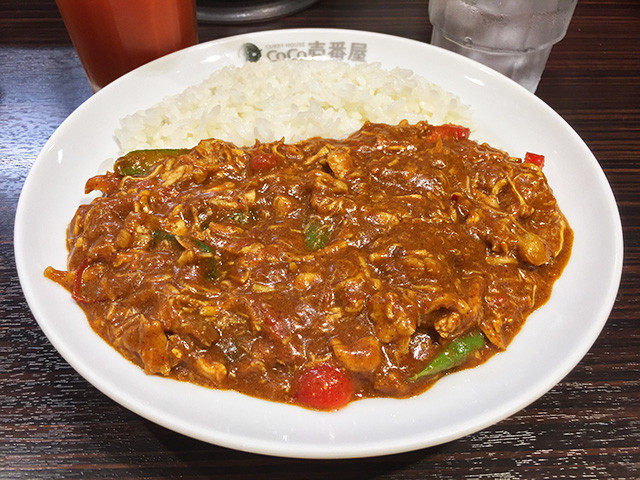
[54, 425]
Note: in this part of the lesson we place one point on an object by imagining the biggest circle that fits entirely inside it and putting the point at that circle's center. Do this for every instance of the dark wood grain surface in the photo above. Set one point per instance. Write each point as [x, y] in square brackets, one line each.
[54, 425]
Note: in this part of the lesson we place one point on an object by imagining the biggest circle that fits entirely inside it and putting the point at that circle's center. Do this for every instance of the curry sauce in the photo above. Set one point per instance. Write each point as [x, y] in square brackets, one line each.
[319, 272]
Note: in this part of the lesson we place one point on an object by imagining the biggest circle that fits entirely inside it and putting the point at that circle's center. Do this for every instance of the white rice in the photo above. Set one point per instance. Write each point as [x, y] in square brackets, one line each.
[291, 100]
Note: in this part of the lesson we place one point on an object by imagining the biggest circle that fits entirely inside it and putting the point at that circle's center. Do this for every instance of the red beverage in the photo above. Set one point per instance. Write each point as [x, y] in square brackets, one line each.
[113, 37]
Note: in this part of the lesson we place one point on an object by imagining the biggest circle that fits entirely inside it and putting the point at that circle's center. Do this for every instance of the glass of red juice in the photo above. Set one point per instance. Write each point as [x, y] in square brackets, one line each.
[113, 37]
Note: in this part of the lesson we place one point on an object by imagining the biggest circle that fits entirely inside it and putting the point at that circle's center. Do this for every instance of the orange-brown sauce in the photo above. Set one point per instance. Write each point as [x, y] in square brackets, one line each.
[241, 268]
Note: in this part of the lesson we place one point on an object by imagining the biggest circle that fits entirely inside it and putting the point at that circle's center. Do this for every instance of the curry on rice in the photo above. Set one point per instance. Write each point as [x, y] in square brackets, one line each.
[319, 272]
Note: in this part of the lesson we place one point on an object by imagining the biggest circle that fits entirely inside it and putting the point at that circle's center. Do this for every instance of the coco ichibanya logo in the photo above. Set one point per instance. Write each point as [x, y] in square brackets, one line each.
[338, 50]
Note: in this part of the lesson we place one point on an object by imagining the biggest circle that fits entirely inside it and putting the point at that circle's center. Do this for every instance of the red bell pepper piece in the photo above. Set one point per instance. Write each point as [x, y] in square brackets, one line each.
[534, 158]
[77, 282]
[448, 130]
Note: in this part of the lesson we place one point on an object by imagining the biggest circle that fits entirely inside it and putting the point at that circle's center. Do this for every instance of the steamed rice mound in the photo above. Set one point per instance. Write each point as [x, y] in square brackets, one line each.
[291, 100]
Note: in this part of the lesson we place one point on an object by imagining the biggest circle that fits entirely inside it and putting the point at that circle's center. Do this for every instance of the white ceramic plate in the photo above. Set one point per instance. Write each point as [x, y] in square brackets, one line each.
[505, 115]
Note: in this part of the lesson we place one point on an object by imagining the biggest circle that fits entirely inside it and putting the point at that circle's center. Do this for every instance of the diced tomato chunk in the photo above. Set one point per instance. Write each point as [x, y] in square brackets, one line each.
[275, 325]
[324, 387]
[534, 158]
[448, 130]
[263, 161]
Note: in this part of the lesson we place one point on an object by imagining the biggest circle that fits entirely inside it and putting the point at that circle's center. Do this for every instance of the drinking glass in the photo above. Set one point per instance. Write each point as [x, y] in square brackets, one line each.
[112, 37]
[513, 37]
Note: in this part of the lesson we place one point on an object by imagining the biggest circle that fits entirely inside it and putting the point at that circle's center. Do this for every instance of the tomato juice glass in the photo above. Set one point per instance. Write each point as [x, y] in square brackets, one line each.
[112, 37]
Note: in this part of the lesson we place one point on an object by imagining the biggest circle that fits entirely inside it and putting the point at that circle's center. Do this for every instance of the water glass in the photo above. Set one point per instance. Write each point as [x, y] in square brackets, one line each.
[513, 37]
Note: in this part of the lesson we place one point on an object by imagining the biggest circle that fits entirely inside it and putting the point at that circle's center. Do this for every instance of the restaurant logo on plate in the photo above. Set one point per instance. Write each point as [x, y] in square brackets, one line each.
[336, 50]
